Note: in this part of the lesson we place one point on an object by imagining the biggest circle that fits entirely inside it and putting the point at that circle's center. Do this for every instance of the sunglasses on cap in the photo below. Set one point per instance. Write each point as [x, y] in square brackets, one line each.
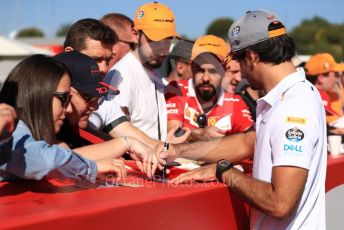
[202, 120]
[63, 97]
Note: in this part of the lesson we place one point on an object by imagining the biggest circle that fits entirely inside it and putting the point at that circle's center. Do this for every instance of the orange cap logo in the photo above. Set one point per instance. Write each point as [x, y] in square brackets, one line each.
[156, 20]
[210, 44]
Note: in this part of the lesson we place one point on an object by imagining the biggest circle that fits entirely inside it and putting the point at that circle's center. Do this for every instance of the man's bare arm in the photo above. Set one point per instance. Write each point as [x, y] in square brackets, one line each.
[235, 148]
[279, 198]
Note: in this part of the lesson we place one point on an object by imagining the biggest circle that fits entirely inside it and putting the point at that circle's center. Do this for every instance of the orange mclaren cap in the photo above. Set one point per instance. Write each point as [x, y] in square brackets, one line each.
[340, 67]
[210, 44]
[156, 20]
[322, 63]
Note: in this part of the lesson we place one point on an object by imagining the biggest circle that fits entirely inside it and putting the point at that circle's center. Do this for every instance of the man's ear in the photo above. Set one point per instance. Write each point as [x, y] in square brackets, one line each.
[135, 34]
[179, 67]
[68, 49]
[251, 57]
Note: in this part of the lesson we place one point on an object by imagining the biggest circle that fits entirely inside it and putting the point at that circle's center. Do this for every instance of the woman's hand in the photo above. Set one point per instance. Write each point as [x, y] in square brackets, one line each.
[110, 166]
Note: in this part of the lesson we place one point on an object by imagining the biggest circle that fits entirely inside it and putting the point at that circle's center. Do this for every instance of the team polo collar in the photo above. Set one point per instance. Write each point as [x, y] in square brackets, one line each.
[192, 93]
[278, 91]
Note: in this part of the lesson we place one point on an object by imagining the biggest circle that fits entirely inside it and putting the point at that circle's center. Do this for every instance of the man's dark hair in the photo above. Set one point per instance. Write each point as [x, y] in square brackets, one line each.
[89, 28]
[312, 78]
[274, 50]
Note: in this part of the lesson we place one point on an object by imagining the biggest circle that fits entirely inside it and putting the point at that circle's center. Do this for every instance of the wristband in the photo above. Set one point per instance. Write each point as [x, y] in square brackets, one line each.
[127, 143]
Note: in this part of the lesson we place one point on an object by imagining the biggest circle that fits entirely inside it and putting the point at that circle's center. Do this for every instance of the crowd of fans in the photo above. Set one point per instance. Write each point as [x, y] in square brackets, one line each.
[135, 84]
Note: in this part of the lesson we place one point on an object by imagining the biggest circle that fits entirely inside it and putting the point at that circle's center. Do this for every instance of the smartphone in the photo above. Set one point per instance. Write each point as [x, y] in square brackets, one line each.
[179, 132]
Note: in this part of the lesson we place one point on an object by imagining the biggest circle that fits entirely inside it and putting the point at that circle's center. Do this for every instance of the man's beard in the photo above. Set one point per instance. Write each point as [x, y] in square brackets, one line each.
[146, 61]
[206, 94]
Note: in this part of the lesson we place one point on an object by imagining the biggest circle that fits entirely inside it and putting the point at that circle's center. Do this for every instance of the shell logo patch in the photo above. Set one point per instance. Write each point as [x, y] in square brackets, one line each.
[296, 120]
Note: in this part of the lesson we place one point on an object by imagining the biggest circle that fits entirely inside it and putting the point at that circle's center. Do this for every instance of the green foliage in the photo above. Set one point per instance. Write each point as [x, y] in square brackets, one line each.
[30, 32]
[318, 35]
[220, 27]
[311, 36]
[62, 31]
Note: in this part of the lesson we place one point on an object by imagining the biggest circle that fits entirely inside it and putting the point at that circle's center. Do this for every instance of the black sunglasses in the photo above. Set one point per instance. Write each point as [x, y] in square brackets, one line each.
[91, 99]
[202, 120]
[63, 97]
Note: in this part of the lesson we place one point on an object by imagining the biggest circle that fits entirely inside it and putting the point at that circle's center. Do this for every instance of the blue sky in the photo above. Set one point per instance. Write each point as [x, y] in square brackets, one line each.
[192, 16]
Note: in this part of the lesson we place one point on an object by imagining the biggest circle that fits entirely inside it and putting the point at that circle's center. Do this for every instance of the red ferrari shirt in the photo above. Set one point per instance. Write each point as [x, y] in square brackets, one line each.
[230, 113]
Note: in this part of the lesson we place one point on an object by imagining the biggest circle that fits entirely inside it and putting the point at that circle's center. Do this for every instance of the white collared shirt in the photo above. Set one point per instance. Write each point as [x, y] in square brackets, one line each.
[142, 91]
[291, 131]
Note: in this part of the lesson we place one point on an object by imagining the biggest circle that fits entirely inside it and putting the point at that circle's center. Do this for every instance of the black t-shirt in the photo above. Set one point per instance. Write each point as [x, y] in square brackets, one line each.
[71, 137]
[74, 140]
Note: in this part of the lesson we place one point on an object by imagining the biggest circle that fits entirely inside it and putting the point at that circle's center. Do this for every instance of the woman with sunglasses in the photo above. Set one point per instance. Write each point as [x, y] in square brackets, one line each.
[87, 90]
[40, 87]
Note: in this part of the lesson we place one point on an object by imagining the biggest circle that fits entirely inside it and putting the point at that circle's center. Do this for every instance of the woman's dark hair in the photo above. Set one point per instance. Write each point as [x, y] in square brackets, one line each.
[30, 87]
[274, 50]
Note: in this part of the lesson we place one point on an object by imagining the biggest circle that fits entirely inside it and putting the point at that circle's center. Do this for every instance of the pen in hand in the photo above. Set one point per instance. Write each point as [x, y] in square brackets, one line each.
[166, 147]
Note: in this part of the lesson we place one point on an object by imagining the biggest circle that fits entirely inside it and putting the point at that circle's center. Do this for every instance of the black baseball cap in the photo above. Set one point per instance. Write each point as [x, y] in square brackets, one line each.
[182, 49]
[85, 74]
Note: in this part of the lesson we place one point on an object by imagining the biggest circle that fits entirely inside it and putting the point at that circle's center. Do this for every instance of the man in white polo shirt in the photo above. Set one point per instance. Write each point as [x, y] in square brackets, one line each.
[137, 75]
[287, 188]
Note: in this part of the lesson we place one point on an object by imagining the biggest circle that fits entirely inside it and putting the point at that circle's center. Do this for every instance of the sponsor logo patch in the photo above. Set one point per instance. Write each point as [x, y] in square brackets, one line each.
[102, 90]
[94, 71]
[296, 120]
[172, 111]
[194, 118]
[210, 44]
[171, 105]
[236, 31]
[163, 20]
[212, 121]
[140, 14]
[294, 135]
[294, 148]
[187, 112]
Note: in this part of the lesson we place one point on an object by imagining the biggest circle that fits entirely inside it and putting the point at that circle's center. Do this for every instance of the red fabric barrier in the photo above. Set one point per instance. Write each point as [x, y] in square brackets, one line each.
[335, 172]
[52, 204]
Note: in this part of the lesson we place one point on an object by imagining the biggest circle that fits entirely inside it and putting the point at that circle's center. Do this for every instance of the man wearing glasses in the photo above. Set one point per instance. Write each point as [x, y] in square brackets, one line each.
[87, 92]
[200, 103]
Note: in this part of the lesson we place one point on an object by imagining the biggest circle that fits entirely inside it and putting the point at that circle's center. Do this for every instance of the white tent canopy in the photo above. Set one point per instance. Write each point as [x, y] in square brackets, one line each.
[5, 68]
[13, 48]
[12, 52]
